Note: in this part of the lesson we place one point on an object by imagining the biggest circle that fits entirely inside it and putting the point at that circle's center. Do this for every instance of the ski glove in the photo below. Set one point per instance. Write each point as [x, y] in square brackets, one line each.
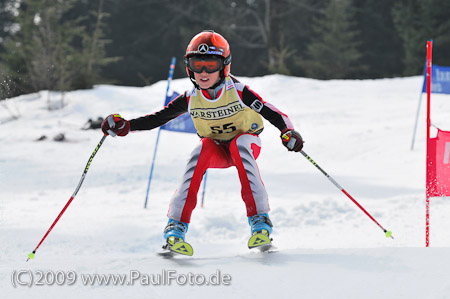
[292, 140]
[114, 125]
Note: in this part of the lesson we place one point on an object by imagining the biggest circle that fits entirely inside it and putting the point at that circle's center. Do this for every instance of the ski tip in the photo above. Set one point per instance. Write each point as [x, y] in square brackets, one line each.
[179, 248]
[258, 240]
[183, 248]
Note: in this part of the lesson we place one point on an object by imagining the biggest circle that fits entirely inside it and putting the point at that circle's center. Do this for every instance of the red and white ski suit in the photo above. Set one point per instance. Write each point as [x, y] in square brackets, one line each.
[228, 126]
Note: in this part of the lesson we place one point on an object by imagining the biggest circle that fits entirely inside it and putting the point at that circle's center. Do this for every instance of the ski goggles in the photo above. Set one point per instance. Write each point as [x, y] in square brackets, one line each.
[208, 64]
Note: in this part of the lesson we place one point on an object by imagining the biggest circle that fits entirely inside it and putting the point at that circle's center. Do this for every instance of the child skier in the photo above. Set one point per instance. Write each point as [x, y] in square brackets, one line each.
[228, 117]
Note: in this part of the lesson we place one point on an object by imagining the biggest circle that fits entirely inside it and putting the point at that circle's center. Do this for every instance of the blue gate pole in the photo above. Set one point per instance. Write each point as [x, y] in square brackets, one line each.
[151, 169]
[204, 187]
[169, 79]
[417, 119]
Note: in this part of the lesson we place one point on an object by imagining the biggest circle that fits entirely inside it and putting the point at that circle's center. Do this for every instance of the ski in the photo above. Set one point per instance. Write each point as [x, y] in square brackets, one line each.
[261, 242]
[267, 248]
[166, 253]
[181, 248]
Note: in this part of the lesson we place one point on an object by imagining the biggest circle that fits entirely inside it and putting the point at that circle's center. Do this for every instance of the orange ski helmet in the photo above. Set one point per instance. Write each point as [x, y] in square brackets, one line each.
[209, 42]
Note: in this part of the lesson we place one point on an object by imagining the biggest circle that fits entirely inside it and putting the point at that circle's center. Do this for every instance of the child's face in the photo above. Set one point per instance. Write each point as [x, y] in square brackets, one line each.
[205, 80]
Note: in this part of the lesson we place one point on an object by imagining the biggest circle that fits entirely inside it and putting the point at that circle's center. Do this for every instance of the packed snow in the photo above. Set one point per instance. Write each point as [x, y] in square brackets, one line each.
[358, 131]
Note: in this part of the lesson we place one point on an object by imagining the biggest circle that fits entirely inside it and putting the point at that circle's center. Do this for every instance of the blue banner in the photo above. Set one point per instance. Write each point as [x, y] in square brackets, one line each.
[182, 123]
[440, 79]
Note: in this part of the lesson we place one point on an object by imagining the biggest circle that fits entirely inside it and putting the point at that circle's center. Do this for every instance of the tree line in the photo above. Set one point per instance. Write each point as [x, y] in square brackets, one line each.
[73, 44]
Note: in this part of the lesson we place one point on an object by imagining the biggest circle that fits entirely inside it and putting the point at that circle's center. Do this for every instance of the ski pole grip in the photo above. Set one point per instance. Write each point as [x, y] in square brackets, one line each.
[291, 143]
[111, 124]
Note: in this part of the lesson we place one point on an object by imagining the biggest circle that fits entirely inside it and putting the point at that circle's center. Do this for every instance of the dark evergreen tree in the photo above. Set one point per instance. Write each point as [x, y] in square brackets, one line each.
[418, 21]
[92, 42]
[52, 50]
[38, 55]
[436, 13]
[298, 31]
[333, 52]
[7, 8]
[411, 27]
[8, 87]
[380, 45]
[320, 39]
[145, 35]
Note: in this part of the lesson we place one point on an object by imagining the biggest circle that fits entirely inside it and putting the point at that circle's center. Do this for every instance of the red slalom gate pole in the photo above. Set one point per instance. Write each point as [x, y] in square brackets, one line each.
[31, 255]
[386, 232]
[428, 182]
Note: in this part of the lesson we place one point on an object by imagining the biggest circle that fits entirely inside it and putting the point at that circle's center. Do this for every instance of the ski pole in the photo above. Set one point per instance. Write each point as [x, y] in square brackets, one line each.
[386, 232]
[31, 255]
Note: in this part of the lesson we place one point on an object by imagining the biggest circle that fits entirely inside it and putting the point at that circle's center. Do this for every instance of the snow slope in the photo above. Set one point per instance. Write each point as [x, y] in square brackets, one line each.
[359, 131]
